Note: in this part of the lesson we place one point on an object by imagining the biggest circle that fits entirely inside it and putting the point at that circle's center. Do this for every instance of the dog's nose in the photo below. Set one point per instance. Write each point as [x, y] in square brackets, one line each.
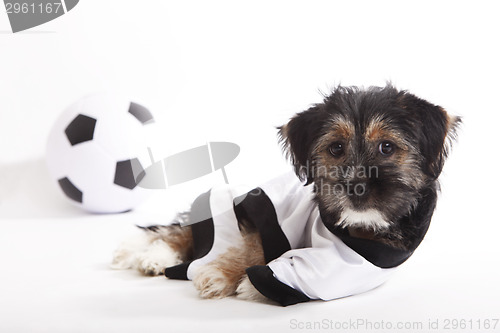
[358, 194]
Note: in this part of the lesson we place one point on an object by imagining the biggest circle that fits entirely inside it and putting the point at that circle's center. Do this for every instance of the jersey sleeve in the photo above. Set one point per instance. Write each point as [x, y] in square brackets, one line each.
[324, 273]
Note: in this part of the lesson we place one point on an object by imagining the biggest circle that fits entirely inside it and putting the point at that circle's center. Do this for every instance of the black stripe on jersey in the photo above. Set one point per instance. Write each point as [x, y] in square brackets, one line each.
[380, 255]
[257, 210]
[203, 235]
[263, 280]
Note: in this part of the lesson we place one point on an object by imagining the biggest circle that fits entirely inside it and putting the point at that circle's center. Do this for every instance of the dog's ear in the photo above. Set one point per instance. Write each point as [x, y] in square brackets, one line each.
[298, 138]
[437, 130]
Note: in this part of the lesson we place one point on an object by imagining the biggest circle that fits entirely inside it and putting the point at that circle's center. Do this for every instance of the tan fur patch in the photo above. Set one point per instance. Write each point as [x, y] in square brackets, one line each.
[236, 260]
[378, 131]
[232, 264]
[451, 122]
[375, 130]
[341, 130]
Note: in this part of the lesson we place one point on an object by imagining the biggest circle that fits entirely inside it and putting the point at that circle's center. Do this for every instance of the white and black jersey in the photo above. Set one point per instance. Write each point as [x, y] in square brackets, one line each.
[305, 259]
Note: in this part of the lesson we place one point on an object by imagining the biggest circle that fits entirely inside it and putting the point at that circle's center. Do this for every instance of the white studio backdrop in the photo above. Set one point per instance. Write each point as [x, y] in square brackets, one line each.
[233, 70]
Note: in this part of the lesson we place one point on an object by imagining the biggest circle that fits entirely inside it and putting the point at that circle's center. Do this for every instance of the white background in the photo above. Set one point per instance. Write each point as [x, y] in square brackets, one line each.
[232, 71]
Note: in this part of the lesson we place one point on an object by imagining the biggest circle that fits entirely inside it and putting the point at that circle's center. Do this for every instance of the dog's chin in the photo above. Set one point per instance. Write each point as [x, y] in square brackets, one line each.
[368, 219]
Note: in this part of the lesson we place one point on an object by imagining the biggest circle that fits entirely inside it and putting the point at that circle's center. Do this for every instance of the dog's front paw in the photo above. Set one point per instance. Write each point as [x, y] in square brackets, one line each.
[156, 258]
[212, 283]
[127, 254]
[148, 256]
[247, 291]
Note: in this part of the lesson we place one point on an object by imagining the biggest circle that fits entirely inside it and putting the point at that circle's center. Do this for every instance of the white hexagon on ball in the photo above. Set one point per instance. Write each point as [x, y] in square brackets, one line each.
[97, 152]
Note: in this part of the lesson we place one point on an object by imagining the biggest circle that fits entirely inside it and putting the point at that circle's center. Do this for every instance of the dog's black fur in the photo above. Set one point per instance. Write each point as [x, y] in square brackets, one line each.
[347, 131]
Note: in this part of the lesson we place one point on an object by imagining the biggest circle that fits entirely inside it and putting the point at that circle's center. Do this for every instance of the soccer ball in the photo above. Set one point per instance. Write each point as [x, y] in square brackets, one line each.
[97, 152]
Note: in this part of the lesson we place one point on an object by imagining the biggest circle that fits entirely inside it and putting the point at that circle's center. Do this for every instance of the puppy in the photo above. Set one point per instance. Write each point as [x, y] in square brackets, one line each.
[359, 202]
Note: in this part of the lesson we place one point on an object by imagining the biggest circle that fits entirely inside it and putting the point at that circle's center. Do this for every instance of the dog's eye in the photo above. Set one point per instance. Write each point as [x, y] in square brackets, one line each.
[336, 149]
[386, 148]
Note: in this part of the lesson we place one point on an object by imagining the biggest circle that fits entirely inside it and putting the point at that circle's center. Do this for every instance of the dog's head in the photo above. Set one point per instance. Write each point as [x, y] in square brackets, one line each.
[369, 153]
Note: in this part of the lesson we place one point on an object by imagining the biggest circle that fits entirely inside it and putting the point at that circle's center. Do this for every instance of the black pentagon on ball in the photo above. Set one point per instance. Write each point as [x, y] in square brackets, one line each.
[81, 129]
[70, 190]
[140, 113]
[129, 173]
